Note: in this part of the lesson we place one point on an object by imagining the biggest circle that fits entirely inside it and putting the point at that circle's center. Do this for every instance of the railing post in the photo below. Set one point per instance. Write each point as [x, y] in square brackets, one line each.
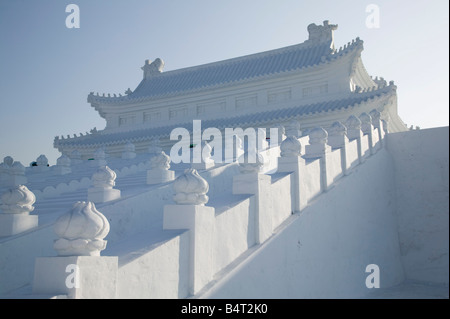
[354, 133]
[291, 161]
[103, 181]
[367, 129]
[78, 271]
[337, 139]
[252, 182]
[160, 172]
[318, 148]
[190, 213]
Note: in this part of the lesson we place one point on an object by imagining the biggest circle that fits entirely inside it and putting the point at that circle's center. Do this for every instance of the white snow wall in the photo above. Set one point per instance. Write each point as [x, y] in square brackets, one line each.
[421, 178]
[323, 251]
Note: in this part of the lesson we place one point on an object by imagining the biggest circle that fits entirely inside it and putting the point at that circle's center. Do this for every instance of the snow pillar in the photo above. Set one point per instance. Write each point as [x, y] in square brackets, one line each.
[103, 181]
[367, 129]
[78, 271]
[252, 182]
[160, 172]
[291, 161]
[354, 133]
[337, 139]
[16, 204]
[191, 213]
[318, 148]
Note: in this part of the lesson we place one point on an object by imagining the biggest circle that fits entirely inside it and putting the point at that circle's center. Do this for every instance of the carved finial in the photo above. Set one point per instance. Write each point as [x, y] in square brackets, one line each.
[42, 160]
[104, 177]
[190, 189]
[152, 68]
[290, 147]
[376, 115]
[353, 123]
[337, 129]
[322, 33]
[128, 91]
[318, 136]
[366, 122]
[160, 161]
[17, 200]
[8, 161]
[81, 231]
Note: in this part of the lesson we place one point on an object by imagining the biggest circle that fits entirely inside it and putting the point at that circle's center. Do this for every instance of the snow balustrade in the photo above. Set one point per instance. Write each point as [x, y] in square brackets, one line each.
[216, 239]
[78, 182]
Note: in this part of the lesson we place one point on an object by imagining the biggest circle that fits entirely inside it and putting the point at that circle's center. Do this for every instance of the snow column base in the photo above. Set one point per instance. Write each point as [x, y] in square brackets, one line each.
[77, 277]
[258, 185]
[199, 220]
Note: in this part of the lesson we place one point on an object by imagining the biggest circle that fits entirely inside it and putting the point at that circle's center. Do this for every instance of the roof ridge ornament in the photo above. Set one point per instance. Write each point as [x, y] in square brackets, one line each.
[322, 33]
[152, 68]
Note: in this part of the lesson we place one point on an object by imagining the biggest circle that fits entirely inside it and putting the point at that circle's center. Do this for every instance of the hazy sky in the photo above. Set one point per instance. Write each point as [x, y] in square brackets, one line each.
[47, 70]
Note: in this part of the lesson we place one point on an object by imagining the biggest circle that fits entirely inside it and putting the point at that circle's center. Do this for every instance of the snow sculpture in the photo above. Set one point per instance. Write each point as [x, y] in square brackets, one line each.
[190, 189]
[366, 123]
[353, 127]
[160, 161]
[62, 165]
[160, 172]
[129, 151]
[81, 231]
[250, 162]
[42, 160]
[152, 68]
[12, 173]
[317, 147]
[41, 164]
[190, 213]
[376, 118]
[290, 147]
[337, 135]
[17, 200]
[322, 33]
[103, 181]
[16, 204]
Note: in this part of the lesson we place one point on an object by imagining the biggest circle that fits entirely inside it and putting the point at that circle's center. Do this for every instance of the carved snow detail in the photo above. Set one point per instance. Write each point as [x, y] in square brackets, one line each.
[81, 231]
[190, 189]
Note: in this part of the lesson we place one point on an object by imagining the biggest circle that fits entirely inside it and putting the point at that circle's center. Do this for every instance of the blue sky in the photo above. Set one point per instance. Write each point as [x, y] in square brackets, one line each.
[47, 70]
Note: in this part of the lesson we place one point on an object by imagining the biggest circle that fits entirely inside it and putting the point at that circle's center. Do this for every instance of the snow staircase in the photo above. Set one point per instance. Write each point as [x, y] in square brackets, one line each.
[164, 251]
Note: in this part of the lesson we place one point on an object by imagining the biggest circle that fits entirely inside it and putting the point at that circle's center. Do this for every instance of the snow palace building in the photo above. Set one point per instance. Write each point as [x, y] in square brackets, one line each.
[348, 196]
[296, 87]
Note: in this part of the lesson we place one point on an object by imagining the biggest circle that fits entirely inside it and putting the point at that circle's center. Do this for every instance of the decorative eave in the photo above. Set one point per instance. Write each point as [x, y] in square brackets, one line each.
[354, 100]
